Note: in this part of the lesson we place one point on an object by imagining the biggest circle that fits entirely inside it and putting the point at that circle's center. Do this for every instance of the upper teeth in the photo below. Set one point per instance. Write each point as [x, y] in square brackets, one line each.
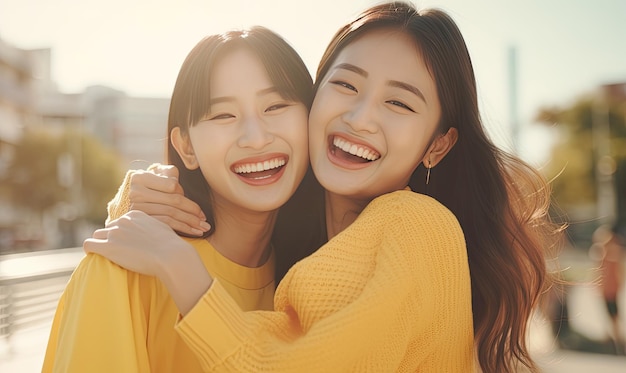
[259, 166]
[358, 150]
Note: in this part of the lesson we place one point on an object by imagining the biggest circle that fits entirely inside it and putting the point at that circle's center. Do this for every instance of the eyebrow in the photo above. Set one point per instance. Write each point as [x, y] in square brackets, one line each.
[411, 88]
[262, 92]
[392, 83]
[354, 69]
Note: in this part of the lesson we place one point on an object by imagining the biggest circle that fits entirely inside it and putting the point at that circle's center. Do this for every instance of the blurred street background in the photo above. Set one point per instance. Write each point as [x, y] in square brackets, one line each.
[84, 96]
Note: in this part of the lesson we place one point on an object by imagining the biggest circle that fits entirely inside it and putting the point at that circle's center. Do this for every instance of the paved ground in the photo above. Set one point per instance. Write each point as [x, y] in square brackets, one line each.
[554, 360]
[579, 362]
[24, 352]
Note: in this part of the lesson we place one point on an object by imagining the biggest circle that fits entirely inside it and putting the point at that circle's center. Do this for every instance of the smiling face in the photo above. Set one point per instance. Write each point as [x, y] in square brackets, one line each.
[252, 145]
[374, 117]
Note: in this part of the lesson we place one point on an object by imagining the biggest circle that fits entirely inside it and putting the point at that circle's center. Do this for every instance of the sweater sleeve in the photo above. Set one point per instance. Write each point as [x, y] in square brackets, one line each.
[95, 329]
[120, 204]
[396, 310]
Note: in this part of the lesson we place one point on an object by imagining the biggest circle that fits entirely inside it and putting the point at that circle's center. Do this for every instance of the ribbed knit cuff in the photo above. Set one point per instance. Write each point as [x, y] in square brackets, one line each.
[215, 328]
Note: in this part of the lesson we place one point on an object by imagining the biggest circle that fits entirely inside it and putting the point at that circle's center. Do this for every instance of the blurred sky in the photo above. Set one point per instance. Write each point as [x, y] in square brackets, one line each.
[565, 48]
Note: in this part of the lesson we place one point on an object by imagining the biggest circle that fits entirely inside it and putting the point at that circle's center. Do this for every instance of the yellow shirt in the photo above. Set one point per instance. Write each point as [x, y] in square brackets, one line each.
[391, 293]
[113, 320]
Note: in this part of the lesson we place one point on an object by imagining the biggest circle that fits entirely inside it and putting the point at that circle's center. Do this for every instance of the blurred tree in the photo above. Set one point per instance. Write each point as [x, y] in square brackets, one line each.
[102, 173]
[575, 156]
[32, 175]
[620, 187]
[70, 168]
[572, 153]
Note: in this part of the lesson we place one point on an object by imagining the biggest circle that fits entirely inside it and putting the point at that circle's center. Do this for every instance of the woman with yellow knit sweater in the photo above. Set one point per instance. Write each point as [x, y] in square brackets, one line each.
[240, 172]
[391, 289]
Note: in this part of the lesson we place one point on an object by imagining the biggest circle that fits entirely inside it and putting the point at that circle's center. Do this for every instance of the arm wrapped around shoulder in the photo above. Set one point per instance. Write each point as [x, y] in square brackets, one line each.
[389, 293]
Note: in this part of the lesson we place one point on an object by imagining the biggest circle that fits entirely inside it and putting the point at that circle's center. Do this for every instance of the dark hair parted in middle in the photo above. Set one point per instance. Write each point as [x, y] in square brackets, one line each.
[192, 96]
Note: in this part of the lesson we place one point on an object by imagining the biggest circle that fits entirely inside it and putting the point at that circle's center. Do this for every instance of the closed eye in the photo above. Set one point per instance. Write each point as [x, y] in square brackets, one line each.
[221, 116]
[400, 104]
[277, 107]
[344, 84]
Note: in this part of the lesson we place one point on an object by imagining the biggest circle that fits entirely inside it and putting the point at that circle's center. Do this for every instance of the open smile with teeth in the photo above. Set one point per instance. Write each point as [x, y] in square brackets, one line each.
[356, 150]
[260, 169]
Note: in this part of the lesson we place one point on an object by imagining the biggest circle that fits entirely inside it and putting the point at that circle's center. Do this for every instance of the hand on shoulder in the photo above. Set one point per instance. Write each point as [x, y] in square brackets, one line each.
[137, 242]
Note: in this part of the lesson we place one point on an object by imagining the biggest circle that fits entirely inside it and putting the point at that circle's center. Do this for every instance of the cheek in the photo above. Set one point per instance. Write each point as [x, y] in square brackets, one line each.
[317, 126]
[323, 107]
[410, 146]
[313, 124]
[300, 143]
[316, 139]
[209, 146]
[294, 130]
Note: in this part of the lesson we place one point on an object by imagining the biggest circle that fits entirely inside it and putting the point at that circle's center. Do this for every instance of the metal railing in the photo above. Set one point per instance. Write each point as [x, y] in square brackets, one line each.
[28, 298]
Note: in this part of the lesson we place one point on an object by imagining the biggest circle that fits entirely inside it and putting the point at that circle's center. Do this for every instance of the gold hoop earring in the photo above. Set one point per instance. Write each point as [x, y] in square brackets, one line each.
[428, 172]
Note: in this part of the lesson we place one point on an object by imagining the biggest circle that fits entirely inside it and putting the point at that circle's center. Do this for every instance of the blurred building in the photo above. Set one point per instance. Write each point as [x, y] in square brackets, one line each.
[17, 107]
[135, 127]
[615, 91]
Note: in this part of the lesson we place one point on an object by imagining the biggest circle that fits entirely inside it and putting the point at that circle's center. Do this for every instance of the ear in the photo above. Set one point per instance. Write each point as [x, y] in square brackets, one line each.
[440, 147]
[184, 148]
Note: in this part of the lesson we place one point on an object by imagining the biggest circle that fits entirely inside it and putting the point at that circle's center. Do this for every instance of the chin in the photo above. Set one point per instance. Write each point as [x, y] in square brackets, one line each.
[268, 204]
[344, 189]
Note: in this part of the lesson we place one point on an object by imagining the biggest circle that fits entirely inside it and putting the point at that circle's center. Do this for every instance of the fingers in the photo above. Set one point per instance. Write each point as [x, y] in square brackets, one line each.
[158, 194]
[180, 226]
[100, 234]
[167, 170]
[175, 218]
[90, 245]
[174, 215]
[93, 244]
[146, 187]
[153, 181]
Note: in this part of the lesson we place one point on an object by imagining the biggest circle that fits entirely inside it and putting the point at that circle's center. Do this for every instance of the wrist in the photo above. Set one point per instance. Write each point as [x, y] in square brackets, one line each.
[171, 264]
[184, 275]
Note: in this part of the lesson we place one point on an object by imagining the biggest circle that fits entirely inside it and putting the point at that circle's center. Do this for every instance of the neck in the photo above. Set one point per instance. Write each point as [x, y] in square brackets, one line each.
[341, 211]
[243, 236]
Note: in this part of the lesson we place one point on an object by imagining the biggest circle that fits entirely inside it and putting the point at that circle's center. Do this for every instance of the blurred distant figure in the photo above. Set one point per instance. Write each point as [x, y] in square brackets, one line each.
[608, 248]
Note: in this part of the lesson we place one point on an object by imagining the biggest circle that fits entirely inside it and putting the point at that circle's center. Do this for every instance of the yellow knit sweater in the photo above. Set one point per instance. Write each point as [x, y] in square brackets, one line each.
[112, 320]
[391, 293]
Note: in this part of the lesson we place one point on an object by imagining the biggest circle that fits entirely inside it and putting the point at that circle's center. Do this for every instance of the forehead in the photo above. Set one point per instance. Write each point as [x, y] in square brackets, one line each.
[238, 66]
[389, 50]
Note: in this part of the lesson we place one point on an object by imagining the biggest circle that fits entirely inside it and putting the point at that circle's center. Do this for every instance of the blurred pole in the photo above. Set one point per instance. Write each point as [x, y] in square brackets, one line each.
[77, 192]
[69, 175]
[513, 113]
[65, 170]
[604, 164]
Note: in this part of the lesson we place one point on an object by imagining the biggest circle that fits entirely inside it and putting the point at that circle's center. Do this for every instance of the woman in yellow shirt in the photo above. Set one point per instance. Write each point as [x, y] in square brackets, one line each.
[391, 290]
[237, 130]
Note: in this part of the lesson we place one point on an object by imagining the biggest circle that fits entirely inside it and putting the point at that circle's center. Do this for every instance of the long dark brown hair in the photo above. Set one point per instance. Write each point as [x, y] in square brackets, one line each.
[500, 201]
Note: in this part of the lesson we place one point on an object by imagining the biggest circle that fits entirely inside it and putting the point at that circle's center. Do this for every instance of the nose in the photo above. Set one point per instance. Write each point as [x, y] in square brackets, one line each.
[362, 115]
[254, 133]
